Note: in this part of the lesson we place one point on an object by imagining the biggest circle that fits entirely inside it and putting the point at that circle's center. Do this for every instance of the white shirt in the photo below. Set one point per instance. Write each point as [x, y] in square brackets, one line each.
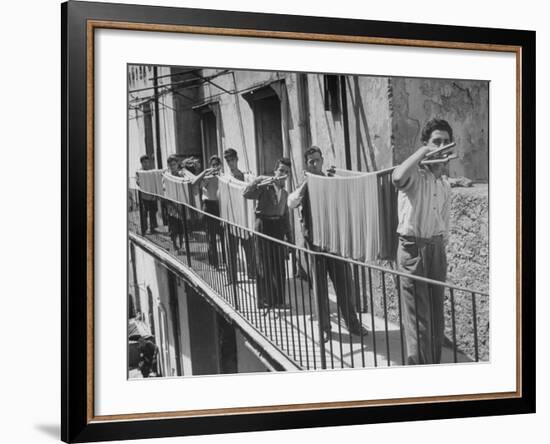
[295, 198]
[424, 205]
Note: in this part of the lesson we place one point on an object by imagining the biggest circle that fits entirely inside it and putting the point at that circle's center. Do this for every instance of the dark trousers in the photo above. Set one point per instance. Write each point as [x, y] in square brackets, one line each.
[340, 274]
[236, 237]
[213, 229]
[147, 212]
[270, 265]
[175, 223]
[422, 303]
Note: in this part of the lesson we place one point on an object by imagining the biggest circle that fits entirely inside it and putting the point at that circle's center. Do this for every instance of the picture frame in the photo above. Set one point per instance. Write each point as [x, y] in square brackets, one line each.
[80, 21]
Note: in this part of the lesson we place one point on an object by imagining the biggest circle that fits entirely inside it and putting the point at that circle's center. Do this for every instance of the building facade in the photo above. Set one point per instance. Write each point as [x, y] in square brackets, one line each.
[192, 336]
[364, 123]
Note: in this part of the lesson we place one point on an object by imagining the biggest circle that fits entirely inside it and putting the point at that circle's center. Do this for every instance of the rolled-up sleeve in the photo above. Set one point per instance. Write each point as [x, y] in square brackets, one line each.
[295, 198]
[408, 185]
[252, 191]
[287, 226]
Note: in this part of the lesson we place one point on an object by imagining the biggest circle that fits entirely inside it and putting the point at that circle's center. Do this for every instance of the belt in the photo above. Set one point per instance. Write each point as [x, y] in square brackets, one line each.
[424, 240]
[265, 217]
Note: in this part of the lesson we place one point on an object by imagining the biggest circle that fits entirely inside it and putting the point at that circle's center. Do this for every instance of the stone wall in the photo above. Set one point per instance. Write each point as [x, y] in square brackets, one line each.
[468, 267]
[468, 259]
[463, 103]
[468, 249]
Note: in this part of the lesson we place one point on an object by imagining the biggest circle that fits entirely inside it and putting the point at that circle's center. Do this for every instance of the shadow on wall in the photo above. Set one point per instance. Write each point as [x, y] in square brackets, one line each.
[463, 103]
[361, 118]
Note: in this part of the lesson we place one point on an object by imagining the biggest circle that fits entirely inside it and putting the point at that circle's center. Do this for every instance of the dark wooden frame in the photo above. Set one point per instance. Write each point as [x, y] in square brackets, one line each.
[79, 19]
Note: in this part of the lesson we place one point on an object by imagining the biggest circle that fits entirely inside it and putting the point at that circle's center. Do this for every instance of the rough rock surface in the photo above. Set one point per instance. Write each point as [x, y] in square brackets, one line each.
[468, 267]
[468, 249]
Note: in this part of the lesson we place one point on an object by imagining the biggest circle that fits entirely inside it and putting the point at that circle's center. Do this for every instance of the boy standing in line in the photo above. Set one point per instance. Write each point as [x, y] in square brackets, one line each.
[208, 182]
[338, 270]
[148, 207]
[232, 161]
[175, 221]
[271, 220]
[424, 216]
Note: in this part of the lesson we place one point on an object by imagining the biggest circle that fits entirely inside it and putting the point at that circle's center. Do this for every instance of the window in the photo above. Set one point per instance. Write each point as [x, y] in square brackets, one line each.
[332, 93]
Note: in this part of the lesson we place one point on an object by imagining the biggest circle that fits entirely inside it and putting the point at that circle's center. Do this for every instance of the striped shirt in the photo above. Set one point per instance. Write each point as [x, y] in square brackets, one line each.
[423, 205]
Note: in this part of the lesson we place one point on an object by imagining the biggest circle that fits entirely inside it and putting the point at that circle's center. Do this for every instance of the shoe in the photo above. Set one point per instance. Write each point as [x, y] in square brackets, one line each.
[327, 334]
[265, 311]
[359, 331]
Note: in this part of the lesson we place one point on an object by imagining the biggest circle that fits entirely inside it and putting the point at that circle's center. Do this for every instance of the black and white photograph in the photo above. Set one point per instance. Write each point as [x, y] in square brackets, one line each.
[302, 221]
[275, 222]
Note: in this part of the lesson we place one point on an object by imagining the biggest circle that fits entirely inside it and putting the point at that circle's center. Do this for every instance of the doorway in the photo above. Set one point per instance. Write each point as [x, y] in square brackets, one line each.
[209, 135]
[148, 131]
[266, 106]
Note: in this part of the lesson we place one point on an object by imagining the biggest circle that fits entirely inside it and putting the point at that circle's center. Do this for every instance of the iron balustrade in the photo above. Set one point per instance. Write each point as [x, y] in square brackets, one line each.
[230, 259]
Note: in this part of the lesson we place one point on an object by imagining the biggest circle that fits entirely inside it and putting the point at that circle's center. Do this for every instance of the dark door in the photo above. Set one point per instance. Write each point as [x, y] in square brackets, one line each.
[269, 138]
[209, 134]
[203, 334]
[148, 130]
[227, 346]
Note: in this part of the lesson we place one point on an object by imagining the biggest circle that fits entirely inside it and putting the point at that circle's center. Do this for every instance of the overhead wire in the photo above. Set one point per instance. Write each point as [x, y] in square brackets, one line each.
[175, 88]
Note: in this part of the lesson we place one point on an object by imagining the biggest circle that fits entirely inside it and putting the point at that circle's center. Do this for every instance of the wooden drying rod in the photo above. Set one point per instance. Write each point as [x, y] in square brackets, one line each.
[433, 156]
[271, 180]
[439, 160]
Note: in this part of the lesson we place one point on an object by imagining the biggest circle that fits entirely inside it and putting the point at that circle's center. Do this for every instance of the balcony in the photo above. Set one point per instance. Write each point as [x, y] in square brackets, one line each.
[290, 336]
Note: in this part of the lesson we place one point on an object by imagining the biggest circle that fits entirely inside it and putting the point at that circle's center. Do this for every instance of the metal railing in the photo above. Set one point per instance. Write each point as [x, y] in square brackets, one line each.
[283, 291]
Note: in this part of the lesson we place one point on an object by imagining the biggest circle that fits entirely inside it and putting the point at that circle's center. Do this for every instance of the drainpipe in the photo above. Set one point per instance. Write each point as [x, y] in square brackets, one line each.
[157, 117]
[345, 121]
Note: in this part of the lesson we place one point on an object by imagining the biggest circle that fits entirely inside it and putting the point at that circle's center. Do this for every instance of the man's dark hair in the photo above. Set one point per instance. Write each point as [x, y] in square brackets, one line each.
[214, 157]
[189, 162]
[144, 157]
[229, 153]
[312, 150]
[171, 159]
[190, 165]
[434, 125]
[284, 161]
